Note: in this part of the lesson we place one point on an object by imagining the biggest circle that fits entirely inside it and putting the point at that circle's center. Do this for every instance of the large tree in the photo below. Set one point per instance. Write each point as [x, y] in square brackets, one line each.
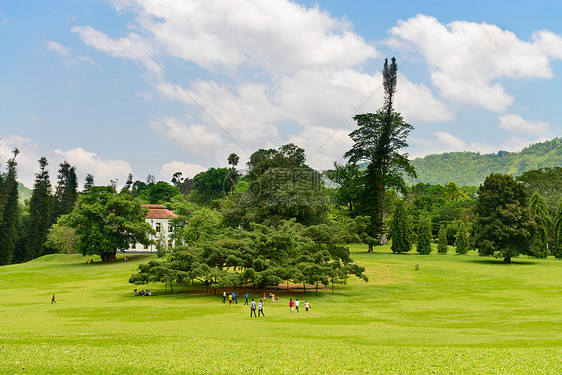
[503, 225]
[379, 138]
[39, 212]
[105, 222]
[9, 221]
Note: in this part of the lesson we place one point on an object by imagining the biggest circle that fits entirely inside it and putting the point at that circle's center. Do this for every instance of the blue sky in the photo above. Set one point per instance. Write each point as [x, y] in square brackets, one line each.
[155, 87]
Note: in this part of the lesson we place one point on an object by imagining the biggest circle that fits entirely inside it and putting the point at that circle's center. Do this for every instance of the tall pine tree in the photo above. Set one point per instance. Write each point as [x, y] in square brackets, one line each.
[66, 193]
[378, 140]
[539, 213]
[424, 234]
[401, 230]
[39, 212]
[11, 212]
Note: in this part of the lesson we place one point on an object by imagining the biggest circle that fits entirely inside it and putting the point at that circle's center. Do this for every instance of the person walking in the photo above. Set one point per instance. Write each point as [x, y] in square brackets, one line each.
[53, 299]
[306, 306]
[245, 303]
[297, 303]
[253, 308]
[260, 309]
[291, 304]
[224, 296]
[229, 299]
[236, 298]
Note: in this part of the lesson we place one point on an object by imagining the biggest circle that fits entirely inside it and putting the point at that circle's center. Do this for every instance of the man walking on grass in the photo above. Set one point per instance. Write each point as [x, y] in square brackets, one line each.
[53, 299]
[253, 308]
[260, 309]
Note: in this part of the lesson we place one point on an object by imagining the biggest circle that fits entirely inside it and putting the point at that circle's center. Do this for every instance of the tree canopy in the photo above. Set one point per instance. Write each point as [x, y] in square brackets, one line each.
[105, 221]
[503, 225]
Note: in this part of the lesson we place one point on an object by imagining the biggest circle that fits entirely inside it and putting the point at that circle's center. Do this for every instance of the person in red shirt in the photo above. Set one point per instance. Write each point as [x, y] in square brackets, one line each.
[291, 304]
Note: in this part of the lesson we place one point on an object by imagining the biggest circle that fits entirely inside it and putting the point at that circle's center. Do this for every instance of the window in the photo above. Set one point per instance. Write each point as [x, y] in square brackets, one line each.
[170, 243]
[158, 227]
[146, 247]
[170, 228]
[133, 245]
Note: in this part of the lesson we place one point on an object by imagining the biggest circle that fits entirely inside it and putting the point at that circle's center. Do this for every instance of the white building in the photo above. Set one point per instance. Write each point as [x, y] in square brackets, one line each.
[158, 217]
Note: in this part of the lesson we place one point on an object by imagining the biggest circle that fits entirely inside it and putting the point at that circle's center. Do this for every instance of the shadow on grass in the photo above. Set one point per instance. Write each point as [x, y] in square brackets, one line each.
[500, 261]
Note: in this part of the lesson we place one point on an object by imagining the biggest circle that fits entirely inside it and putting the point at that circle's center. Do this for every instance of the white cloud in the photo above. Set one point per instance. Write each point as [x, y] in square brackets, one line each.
[144, 95]
[88, 162]
[57, 47]
[450, 140]
[465, 57]
[27, 158]
[198, 138]
[278, 34]
[188, 170]
[517, 124]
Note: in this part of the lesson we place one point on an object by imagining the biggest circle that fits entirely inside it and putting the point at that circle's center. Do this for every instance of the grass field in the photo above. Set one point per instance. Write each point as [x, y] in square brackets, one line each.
[456, 314]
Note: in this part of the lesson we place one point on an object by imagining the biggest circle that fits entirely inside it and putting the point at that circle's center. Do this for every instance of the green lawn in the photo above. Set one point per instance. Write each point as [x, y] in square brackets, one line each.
[456, 314]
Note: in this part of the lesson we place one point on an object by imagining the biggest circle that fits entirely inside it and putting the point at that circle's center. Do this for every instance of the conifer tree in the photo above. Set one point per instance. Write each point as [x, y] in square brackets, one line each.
[442, 245]
[66, 193]
[11, 212]
[378, 140]
[539, 212]
[39, 212]
[557, 248]
[401, 230]
[424, 235]
[88, 183]
[462, 239]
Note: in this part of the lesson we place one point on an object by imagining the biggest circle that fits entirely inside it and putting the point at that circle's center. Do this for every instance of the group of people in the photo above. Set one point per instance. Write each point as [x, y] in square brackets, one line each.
[147, 293]
[296, 304]
[259, 306]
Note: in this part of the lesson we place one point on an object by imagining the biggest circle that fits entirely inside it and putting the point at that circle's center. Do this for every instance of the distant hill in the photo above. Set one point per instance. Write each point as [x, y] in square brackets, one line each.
[471, 168]
[23, 192]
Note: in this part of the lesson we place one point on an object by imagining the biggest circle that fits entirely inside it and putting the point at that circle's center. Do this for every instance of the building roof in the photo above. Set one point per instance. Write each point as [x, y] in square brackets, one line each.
[158, 211]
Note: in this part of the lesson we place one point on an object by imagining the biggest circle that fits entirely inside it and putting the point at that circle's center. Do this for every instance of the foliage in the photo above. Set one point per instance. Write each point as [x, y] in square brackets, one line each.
[39, 213]
[442, 245]
[377, 141]
[105, 222]
[546, 182]
[462, 239]
[209, 185]
[66, 192]
[9, 211]
[279, 186]
[62, 238]
[557, 229]
[471, 168]
[503, 225]
[401, 230]
[349, 181]
[541, 217]
[261, 256]
[423, 231]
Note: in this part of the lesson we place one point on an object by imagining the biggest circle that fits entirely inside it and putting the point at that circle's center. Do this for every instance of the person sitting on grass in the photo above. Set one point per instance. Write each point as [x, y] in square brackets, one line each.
[136, 293]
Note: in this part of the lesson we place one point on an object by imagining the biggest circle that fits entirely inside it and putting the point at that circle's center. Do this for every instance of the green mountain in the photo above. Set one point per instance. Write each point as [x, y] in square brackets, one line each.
[471, 168]
[23, 192]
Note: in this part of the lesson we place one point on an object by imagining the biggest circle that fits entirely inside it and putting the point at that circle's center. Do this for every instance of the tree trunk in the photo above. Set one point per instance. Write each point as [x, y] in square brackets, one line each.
[370, 248]
[108, 257]
[332, 285]
[304, 288]
[507, 259]
[317, 287]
